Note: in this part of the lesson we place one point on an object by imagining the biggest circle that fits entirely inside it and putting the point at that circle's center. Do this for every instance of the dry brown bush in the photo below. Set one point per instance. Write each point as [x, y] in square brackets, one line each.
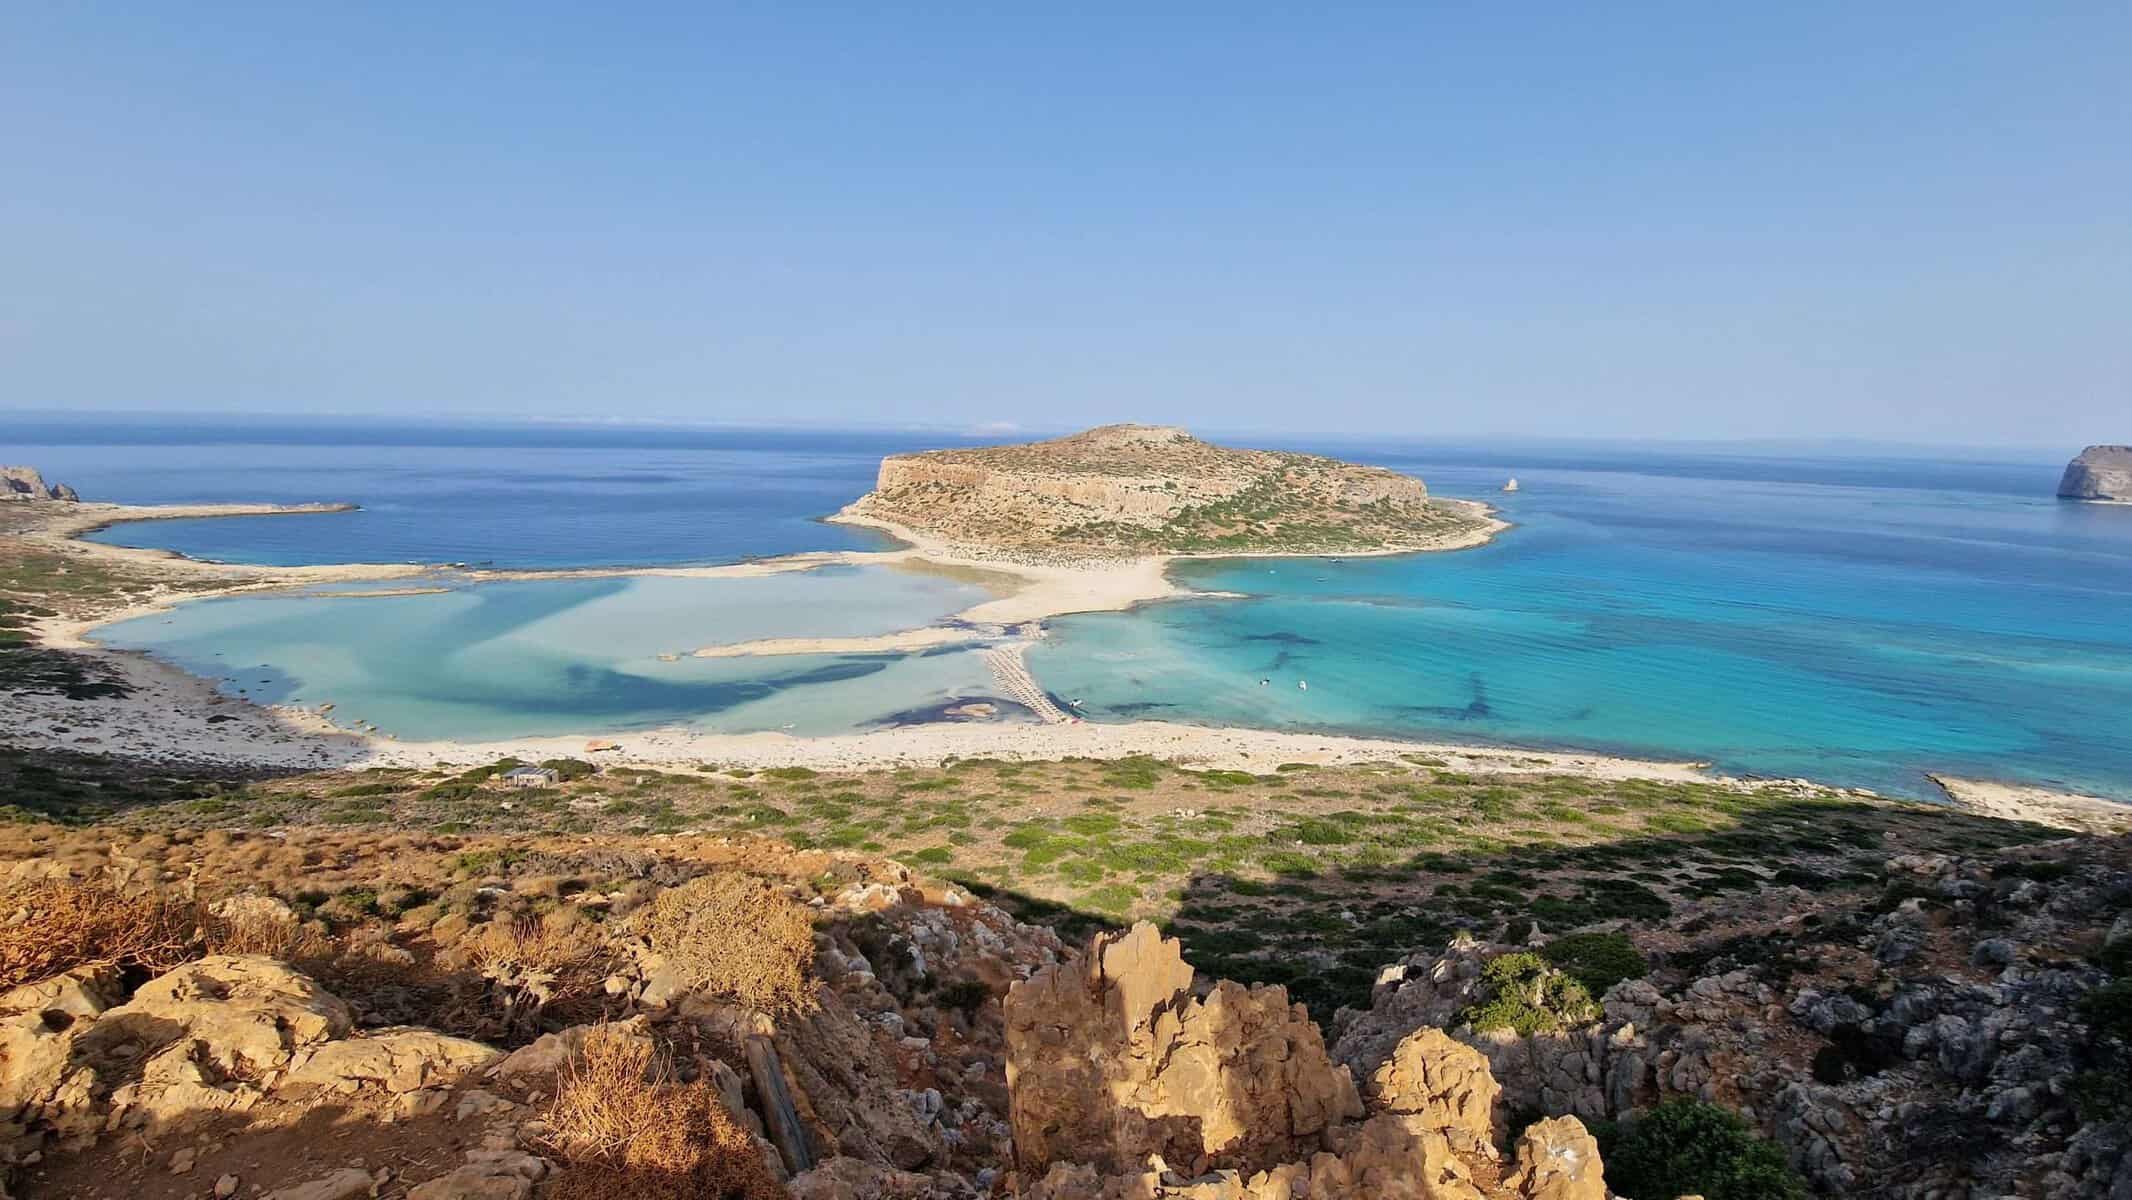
[734, 935]
[533, 963]
[58, 925]
[258, 929]
[624, 1128]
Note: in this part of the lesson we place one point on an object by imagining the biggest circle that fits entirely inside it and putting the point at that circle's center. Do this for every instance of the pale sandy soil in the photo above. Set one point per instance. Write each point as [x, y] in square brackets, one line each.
[2017, 802]
[909, 639]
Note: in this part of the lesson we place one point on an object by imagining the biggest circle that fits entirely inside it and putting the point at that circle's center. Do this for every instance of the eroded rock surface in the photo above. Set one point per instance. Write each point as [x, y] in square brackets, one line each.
[2099, 473]
[25, 483]
[1126, 1086]
[1111, 1059]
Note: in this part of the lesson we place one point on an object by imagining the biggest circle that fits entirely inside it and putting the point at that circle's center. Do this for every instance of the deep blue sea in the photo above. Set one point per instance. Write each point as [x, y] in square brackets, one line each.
[1858, 619]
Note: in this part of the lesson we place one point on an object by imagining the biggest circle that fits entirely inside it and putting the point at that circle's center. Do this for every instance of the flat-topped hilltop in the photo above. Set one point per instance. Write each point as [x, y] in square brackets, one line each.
[2099, 473]
[1122, 490]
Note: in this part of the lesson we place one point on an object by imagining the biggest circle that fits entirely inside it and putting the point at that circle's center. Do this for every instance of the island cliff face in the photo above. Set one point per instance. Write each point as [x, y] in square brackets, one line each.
[1144, 489]
[2099, 473]
[24, 483]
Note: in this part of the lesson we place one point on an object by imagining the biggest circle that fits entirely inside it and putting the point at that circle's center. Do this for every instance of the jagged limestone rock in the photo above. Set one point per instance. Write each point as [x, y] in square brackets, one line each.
[1446, 1084]
[1558, 1160]
[1111, 1059]
[25, 483]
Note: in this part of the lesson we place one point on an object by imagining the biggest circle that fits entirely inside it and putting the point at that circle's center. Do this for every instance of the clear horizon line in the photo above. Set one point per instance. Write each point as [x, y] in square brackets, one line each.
[1008, 429]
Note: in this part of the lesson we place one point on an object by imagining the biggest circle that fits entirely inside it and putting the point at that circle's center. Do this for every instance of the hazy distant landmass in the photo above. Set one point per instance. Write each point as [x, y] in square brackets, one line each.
[1123, 490]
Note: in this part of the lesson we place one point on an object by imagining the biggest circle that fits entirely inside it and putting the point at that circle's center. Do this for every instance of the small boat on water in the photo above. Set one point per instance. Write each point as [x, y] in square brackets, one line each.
[1512, 485]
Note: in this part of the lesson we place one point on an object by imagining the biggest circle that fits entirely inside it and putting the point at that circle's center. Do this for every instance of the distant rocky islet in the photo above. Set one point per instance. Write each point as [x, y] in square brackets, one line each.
[27, 483]
[2099, 473]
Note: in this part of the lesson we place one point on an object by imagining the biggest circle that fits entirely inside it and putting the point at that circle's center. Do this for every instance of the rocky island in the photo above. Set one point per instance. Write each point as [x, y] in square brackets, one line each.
[1122, 491]
[2099, 473]
[26, 483]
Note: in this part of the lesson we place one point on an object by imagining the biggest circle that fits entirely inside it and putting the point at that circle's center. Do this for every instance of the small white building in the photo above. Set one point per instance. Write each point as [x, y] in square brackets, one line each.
[531, 777]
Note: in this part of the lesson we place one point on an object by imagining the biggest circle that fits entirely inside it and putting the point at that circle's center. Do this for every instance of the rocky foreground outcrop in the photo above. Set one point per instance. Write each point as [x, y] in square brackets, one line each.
[1951, 1038]
[1950, 1028]
[25, 483]
[1125, 1085]
[2099, 473]
[879, 1085]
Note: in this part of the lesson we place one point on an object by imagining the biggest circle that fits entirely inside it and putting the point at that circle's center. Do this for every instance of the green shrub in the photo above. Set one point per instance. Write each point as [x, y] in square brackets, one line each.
[1596, 960]
[2101, 1095]
[568, 769]
[2108, 1010]
[1312, 831]
[1688, 1147]
[1137, 771]
[1525, 995]
[2116, 958]
[969, 995]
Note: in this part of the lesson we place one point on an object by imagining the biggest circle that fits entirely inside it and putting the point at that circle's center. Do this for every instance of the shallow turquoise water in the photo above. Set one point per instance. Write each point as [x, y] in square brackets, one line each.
[1856, 635]
[575, 655]
[1856, 619]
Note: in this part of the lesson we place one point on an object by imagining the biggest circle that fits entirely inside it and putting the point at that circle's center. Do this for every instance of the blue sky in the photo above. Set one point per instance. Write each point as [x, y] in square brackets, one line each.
[1884, 220]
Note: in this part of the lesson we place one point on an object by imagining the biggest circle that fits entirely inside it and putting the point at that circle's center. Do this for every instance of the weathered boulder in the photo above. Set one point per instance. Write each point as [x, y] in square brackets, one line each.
[2099, 473]
[1558, 1160]
[43, 1089]
[247, 1014]
[398, 1060]
[489, 1174]
[1111, 1059]
[206, 1037]
[1445, 1084]
[848, 1178]
[344, 1184]
[1388, 1157]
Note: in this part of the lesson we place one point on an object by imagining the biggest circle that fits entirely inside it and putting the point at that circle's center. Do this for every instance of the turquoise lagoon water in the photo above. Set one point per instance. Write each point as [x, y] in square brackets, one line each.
[558, 656]
[1860, 635]
[1855, 618]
